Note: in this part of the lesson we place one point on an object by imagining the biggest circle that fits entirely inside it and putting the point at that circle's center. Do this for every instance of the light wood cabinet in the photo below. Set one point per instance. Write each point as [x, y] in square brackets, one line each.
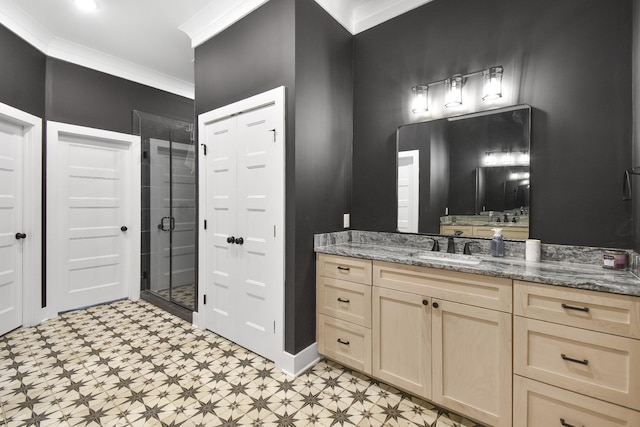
[344, 268]
[468, 338]
[540, 405]
[343, 313]
[596, 311]
[344, 300]
[472, 361]
[508, 232]
[576, 356]
[592, 363]
[345, 342]
[402, 340]
[467, 230]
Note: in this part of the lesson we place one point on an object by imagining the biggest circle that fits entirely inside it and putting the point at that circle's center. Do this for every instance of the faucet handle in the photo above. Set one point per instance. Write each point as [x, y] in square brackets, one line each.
[467, 249]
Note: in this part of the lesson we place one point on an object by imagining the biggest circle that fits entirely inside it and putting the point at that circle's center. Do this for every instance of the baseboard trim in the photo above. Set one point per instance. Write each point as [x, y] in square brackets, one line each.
[294, 365]
[197, 320]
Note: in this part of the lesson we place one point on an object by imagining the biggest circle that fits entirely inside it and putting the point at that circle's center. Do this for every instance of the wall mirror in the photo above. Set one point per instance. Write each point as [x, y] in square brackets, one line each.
[465, 175]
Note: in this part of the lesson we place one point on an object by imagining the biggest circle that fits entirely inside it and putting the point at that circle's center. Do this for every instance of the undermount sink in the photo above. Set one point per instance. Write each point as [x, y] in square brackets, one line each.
[452, 258]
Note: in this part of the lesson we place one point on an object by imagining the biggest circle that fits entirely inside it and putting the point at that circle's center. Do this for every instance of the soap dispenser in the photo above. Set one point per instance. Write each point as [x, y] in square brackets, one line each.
[497, 243]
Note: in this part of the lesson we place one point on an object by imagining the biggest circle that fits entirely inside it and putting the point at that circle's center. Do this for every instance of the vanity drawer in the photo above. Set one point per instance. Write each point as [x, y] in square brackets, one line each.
[508, 232]
[597, 311]
[344, 268]
[541, 405]
[467, 230]
[599, 365]
[473, 289]
[345, 343]
[344, 300]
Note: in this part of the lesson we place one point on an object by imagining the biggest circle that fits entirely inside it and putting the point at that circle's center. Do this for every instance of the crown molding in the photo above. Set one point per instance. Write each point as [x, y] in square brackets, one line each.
[25, 27]
[374, 12]
[217, 17]
[367, 14]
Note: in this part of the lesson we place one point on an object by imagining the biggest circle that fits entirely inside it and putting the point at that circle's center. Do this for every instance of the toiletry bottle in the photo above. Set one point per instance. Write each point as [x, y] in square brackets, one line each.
[497, 243]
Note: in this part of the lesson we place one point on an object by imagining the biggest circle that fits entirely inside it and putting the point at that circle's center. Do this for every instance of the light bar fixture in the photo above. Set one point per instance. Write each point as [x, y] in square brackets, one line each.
[492, 89]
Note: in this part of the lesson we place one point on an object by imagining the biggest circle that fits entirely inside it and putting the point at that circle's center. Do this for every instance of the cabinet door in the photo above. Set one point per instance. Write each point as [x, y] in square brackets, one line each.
[402, 340]
[472, 370]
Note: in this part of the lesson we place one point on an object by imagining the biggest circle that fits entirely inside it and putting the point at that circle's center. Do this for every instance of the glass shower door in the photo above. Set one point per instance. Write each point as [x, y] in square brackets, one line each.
[168, 264]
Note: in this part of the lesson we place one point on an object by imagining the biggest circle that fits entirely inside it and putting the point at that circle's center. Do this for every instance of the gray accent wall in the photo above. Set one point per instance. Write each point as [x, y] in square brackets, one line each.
[22, 74]
[570, 60]
[295, 44]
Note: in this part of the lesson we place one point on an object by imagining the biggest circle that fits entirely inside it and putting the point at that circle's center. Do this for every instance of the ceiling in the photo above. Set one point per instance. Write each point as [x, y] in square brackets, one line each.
[152, 41]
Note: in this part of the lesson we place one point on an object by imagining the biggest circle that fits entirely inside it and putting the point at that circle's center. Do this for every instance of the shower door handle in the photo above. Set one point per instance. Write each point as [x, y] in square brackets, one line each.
[162, 227]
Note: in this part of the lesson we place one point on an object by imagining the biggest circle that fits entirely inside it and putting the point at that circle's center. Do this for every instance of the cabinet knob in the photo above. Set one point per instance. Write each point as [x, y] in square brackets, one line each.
[436, 305]
[21, 236]
[239, 241]
[231, 239]
[124, 228]
[425, 302]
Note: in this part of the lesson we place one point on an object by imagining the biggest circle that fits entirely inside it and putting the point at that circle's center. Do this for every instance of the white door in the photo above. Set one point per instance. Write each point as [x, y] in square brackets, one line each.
[408, 191]
[242, 249]
[10, 225]
[259, 190]
[93, 215]
[20, 213]
[221, 170]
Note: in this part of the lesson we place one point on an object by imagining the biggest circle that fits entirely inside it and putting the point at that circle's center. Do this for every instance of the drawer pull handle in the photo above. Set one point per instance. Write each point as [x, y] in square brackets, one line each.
[566, 424]
[341, 268]
[343, 342]
[569, 359]
[570, 307]
[346, 301]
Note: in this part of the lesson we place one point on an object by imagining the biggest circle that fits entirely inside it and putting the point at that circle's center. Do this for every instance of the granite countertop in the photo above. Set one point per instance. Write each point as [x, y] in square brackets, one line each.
[573, 275]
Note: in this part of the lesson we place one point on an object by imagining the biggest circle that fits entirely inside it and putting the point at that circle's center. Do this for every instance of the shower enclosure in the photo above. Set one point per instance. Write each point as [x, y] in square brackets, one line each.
[168, 244]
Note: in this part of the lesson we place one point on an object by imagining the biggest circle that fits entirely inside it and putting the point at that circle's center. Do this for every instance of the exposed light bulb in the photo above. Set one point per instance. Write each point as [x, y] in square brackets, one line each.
[87, 5]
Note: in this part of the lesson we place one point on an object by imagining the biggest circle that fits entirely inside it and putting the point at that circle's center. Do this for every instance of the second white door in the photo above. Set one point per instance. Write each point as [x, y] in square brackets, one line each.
[244, 253]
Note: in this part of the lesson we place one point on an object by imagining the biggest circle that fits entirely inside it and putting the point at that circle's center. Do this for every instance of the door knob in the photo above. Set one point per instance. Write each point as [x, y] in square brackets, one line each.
[21, 236]
[239, 241]
[123, 228]
[231, 239]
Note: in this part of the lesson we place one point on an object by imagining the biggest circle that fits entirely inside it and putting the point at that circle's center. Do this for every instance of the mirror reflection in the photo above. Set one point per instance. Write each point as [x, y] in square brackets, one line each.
[465, 175]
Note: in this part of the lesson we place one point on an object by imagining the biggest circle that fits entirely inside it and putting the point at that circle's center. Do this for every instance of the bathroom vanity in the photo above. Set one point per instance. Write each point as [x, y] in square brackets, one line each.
[501, 341]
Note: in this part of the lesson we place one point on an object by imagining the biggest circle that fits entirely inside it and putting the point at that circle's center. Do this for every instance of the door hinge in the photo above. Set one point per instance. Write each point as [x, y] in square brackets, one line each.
[205, 224]
[204, 147]
[205, 300]
[274, 134]
[274, 326]
[274, 231]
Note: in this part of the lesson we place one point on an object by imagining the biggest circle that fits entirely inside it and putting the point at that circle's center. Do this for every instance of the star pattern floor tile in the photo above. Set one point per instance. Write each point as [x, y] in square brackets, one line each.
[132, 364]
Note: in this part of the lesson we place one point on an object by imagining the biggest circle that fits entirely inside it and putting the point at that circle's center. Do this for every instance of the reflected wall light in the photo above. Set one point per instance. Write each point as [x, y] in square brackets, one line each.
[492, 89]
[420, 99]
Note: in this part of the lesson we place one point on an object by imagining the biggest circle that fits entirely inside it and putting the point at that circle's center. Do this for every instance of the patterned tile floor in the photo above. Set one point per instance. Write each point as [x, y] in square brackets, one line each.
[130, 363]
